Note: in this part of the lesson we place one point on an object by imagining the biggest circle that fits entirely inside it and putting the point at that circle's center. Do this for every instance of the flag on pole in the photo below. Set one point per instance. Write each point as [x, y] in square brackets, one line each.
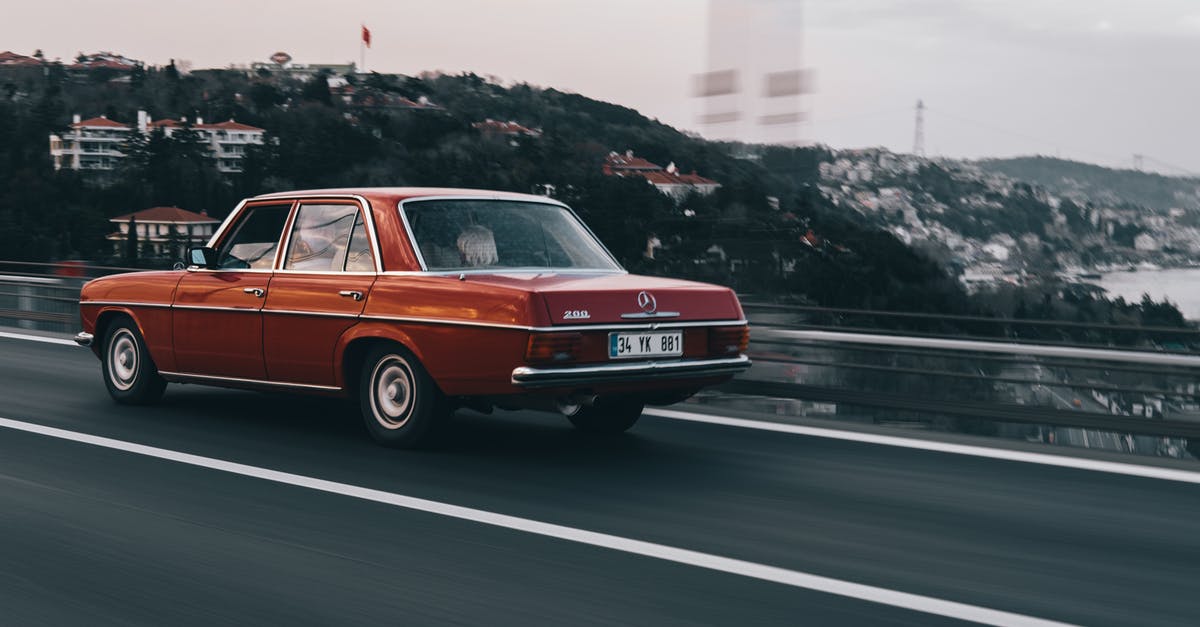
[366, 36]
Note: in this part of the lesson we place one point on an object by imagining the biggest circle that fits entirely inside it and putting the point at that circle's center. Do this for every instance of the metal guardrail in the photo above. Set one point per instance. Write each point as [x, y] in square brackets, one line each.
[1161, 358]
[1124, 368]
[837, 360]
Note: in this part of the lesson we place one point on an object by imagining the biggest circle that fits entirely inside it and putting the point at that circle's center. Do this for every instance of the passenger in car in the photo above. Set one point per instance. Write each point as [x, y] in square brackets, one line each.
[477, 246]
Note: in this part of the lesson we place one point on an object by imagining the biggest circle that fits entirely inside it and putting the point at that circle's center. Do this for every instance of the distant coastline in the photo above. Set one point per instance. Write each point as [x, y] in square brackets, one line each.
[1178, 285]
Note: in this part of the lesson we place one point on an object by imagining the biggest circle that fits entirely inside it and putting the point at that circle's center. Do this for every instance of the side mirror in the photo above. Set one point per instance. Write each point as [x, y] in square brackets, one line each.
[203, 256]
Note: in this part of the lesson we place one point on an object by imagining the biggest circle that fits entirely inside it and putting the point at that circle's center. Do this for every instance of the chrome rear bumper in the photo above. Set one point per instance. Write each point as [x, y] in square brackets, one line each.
[530, 377]
[84, 338]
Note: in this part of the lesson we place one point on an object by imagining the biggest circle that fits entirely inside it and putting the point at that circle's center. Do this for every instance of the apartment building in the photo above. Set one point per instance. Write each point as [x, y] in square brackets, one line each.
[96, 143]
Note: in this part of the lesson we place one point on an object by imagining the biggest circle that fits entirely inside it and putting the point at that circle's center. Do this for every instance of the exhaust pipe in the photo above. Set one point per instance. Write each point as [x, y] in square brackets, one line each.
[572, 405]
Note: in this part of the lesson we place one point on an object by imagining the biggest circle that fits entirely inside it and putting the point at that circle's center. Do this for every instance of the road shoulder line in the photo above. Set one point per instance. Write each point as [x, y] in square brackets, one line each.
[1045, 459]
[37, 338]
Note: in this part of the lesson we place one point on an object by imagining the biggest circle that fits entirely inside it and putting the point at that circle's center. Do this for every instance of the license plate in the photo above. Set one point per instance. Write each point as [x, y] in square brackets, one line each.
[623, 345]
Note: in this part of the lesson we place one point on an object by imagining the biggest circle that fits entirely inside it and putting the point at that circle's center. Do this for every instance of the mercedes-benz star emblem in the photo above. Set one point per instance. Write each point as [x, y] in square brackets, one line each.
[646, 301]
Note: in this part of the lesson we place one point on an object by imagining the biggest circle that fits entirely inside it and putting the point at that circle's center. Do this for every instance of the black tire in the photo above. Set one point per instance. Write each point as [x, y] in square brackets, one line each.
[607, 416]
[400, 404]
[129, 373]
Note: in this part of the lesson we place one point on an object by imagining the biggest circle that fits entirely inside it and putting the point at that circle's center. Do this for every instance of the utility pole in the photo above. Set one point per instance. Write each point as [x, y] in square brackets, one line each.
[919, 133]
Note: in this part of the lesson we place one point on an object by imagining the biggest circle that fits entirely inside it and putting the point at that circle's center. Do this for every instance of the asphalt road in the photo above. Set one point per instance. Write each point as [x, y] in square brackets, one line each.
[100, 536]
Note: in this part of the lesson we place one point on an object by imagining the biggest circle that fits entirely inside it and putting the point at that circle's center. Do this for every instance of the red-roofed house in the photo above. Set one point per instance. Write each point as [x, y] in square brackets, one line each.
[668, 181]
[12, 59]
[163, 231]
[510, 129]
[103, 60]
[621, 164]
[228, 141]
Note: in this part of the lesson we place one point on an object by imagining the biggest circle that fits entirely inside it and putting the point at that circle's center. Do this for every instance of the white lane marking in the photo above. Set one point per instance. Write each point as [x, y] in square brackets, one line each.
[1047, 459]
[798, 579]
[38, 338]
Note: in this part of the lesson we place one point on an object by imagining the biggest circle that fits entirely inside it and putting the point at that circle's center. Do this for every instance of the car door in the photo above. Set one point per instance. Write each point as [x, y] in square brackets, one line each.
[325, 276]
[217, 313]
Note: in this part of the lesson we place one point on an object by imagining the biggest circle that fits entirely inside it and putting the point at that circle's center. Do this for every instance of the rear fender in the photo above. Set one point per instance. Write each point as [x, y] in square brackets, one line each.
[370, 330]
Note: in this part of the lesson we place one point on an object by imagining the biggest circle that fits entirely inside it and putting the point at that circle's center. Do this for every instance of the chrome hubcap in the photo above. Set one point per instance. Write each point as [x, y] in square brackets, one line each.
[122, 360]
[393, 392]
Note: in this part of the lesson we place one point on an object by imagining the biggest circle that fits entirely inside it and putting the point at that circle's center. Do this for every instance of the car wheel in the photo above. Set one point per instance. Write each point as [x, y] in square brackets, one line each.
[129, 373]
[400, 403]
[607, 417]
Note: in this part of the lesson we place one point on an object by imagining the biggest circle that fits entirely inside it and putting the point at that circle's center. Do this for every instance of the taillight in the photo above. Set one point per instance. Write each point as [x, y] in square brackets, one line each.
[553, 347]
[728, 340]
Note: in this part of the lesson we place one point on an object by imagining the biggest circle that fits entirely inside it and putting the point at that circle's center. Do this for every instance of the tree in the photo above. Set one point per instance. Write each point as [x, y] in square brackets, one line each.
[131, 243]
[137, 77]
[317, 89]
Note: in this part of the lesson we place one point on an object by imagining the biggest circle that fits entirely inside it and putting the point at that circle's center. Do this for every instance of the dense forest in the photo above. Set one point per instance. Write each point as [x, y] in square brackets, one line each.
[767, 231]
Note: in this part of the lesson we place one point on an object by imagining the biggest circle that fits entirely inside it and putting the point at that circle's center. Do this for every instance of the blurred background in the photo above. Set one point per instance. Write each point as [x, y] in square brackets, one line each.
[1013, 174]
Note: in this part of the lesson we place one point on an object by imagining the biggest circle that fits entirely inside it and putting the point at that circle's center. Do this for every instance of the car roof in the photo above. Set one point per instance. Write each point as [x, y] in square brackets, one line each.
[396, 194]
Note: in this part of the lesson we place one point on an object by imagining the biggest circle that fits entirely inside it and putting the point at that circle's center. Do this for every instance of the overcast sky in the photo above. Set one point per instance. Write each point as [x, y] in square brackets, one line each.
[1095, 80]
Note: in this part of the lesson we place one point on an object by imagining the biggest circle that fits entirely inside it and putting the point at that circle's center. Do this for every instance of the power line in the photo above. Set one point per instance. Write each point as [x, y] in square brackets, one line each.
[1006, 131]
[1181, 170]
[861, 115]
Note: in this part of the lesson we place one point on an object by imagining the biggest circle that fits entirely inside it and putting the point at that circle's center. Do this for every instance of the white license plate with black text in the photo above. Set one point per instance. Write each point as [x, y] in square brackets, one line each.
[658, 344]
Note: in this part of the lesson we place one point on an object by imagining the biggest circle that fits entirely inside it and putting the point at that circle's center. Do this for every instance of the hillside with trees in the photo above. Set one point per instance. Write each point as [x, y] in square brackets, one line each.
[766, 231]
[1101, 184]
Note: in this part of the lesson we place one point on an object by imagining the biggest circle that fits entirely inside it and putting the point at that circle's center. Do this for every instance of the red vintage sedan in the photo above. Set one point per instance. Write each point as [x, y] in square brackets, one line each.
[415, 302]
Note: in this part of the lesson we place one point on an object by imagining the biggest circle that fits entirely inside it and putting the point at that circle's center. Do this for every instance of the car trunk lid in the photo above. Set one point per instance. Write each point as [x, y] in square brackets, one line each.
[624, 298]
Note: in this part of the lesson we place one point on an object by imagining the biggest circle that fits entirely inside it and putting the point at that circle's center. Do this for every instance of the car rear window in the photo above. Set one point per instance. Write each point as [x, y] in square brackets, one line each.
[502, 234]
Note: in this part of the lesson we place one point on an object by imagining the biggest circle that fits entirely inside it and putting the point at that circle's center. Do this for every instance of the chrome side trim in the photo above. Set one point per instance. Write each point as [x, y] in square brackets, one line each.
[315, 314]
[211, 308]
[187, 377]
[412, 240]
[123, 303]
[327, 273]
[238, 270]
[530, 377]
[647, 326]
[641, 315]
[446, 321]
[83, 338]
[650, 326]
[500, 271]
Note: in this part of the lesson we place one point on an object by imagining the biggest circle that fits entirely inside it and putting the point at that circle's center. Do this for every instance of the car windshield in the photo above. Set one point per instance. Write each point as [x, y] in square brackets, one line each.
[502, 234]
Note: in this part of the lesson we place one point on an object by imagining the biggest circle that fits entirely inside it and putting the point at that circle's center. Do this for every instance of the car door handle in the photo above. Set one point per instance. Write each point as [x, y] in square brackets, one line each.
[356, 295]
[257, 291]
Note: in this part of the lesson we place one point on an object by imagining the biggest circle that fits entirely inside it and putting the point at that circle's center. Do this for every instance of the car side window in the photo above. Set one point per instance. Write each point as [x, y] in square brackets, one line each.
[254, 239]
[359, 257]
[321, 237]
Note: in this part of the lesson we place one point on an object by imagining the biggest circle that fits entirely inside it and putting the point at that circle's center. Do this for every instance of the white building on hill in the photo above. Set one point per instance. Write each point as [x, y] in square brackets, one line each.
[95, 144]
